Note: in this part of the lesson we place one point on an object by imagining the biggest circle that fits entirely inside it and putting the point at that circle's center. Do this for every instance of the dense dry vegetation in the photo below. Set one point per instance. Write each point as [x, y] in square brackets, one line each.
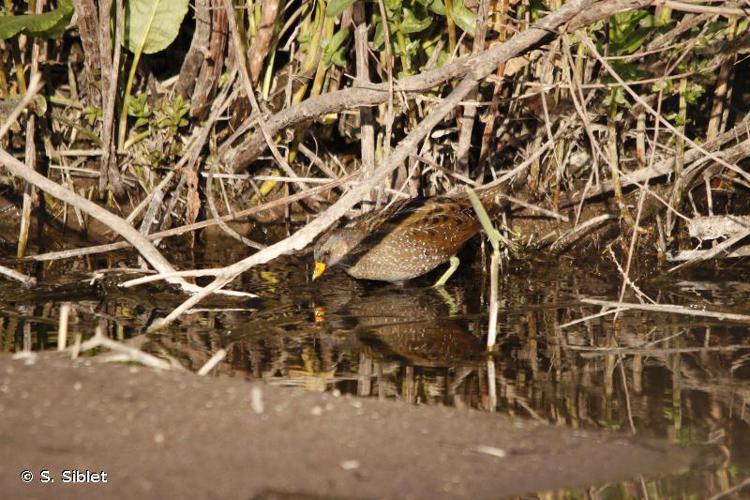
[619, 124]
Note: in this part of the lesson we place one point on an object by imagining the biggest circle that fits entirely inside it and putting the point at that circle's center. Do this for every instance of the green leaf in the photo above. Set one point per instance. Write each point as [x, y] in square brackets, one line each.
[333, 45]
[484, 218]
[412, 24]
[434, 6]
[664, 86]
[138, 106]
[92, 113]
[616, 94]
[48, 25]
[628, 31]
[463, 17]
[336, 7]
[437, 6]
[378, 39]
[630, 42]
[694, 92]
[151, 25]
[339, 59]
[393, 8]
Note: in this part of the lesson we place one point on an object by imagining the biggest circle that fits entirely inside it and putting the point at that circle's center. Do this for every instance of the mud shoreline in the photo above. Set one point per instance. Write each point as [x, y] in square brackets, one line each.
[163, 433]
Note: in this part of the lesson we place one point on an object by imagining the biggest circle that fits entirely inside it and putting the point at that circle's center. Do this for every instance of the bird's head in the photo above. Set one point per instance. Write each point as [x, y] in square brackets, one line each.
[331, 248]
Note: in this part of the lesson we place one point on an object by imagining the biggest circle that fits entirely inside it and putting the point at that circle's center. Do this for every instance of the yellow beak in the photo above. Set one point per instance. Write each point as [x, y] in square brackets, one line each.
[320, 268]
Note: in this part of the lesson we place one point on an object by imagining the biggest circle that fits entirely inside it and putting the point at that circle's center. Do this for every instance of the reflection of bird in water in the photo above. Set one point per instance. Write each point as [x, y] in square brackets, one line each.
[412, 325]
[404, 240]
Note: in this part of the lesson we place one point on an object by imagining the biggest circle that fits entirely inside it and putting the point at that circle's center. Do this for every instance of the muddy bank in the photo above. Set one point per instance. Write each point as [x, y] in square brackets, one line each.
[157, 434]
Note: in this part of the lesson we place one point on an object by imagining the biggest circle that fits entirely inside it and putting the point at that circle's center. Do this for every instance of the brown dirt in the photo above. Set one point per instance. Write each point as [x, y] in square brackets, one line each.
[177, 435]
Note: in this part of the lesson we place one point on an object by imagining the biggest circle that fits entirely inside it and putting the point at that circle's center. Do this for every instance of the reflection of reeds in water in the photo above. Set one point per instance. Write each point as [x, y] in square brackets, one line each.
[687, 379]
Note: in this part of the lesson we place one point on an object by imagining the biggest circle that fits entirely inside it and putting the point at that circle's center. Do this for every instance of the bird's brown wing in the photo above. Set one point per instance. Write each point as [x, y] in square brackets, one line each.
[390, 217]
[443, 222]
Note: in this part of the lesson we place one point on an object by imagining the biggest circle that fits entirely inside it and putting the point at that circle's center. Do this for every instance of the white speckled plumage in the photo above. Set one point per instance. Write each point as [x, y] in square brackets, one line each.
[405, 240]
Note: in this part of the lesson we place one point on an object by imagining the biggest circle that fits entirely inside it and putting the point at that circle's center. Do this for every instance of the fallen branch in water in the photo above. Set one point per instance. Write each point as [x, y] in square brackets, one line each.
[124, 353]
[10, 273]
[670, 309]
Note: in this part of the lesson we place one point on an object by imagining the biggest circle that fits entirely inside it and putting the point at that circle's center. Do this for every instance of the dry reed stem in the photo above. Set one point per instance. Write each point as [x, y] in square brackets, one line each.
[125, 352]
[592, 48]
[190, 273]
[114, 222]
[366, 119]
[578, 231]
[707, 9]
[218, 108]
[247, 85]
[594, 351]
[334, 102]
[62, 332]
[65, 254]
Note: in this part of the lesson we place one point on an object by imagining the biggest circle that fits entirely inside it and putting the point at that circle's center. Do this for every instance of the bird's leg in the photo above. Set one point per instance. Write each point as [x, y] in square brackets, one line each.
[452, 306]
[448, 272]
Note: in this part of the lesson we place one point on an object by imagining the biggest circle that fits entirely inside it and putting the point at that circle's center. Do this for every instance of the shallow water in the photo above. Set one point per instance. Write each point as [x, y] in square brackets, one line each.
[685, 379]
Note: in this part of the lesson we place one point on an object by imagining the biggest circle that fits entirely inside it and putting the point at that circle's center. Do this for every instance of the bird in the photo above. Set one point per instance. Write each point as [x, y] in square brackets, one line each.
[404, 240]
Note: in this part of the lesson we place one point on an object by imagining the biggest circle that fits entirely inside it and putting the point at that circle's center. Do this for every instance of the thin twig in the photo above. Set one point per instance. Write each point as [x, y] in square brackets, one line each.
[670, 309]
[211, 363]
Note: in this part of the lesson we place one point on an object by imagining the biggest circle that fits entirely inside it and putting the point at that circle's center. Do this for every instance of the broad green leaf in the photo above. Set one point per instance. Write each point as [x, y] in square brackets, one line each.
[48, 25]
[628, 20]
[151, 25]
[616, 94]
[628, 31]
[333, 45]
[378, 39]
[437, 6]
[412, 24]
[631, 42]
[463, 17]
[336, 7]
[393, 8]
[339, 59]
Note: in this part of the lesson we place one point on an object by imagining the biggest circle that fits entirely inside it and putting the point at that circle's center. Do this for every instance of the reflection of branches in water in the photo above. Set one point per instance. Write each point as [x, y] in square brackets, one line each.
[392, 346]
[29, 320]
[682, 379]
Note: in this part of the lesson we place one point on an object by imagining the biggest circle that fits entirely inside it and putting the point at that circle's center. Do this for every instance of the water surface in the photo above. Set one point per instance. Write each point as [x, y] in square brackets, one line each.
[684, 379]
